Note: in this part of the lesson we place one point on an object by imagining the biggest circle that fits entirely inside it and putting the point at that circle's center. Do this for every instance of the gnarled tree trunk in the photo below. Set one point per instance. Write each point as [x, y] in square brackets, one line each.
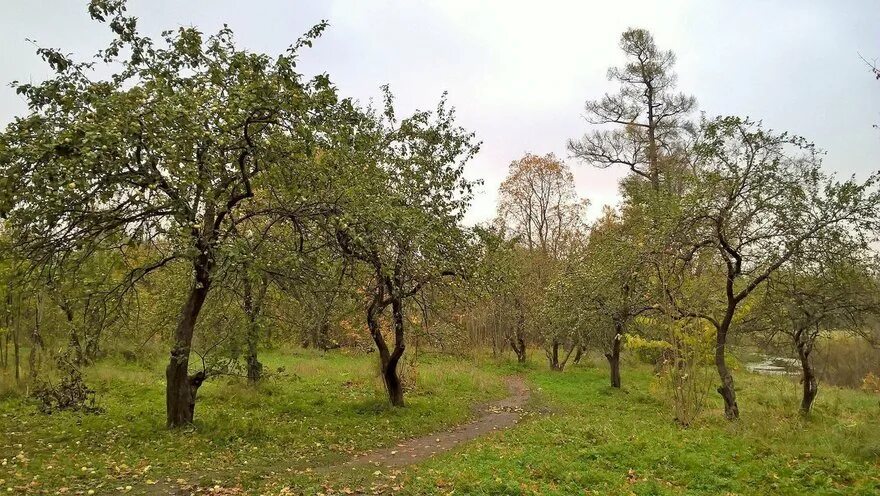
[809, 381]
[388, 360]
[180, 387]
[726, 390]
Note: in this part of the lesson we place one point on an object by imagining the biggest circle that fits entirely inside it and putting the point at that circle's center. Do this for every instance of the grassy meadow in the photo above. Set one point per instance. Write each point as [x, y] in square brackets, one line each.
[578, 436]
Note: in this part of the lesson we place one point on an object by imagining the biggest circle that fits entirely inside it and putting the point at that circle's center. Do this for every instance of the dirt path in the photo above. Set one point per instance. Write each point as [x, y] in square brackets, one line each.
[498, 415]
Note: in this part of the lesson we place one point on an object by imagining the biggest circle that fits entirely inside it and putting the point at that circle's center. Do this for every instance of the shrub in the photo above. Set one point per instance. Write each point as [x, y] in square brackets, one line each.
[71, 393]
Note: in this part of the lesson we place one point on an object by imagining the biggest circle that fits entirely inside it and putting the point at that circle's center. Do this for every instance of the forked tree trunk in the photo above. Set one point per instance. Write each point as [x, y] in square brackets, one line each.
[180, 387]
[614, 357]
[809, 381]
[556, 363]
[726, 390]
[392, 378]
[388, 360]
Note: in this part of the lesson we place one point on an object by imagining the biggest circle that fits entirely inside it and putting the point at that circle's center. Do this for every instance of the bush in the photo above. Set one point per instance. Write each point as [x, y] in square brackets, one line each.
[683, 362]
[71, 393]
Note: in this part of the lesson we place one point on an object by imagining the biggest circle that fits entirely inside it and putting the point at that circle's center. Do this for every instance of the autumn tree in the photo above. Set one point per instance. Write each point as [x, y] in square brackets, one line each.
[643, 123]
[540, 210]
[162, 154]
[539, 206]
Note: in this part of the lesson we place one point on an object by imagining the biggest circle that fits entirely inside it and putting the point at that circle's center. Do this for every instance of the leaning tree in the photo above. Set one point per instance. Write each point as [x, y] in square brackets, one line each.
[161, 154]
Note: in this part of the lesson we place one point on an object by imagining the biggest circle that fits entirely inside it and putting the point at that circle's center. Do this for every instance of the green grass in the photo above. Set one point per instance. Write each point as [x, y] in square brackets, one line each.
[583, 437]
[579, 437]
[321, 409]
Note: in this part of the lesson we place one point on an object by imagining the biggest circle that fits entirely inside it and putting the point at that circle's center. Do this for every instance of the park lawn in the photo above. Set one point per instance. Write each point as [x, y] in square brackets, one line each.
[583, 437]
[319, 410]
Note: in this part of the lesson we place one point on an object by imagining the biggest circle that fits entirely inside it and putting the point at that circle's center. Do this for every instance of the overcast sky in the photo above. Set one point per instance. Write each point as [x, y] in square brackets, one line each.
[519, 72]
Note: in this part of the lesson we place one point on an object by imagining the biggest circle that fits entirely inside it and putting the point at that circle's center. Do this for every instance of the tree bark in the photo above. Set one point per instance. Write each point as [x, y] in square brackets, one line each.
[726, 390]
[36, 342]
[578, 354]
[181, 388]
[388, 360]
[809, 381]
[252, 335]
[74, 338]
[614, 357]
[554, 355]
[16, 345]
[517, 341]
[518, 344]
[392, 379]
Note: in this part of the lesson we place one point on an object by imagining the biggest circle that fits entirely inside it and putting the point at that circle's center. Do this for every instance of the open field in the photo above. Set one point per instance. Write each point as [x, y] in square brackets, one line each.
[577, 435]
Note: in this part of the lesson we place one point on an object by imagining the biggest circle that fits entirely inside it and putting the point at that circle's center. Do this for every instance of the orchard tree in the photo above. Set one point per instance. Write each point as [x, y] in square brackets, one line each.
[757, 199]
[401, 218]
[828, 289]
[643, 123]
[608, 287]
[161, 154]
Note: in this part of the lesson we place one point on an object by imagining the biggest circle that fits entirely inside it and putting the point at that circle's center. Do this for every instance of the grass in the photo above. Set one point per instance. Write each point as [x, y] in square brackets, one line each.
[321, 409]
[583, 437]
[579, 437]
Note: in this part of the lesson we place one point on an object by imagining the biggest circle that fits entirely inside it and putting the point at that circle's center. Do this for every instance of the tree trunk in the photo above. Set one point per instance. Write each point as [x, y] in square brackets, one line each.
[392, 379]
[517, 341]
[553, 355]
[518, 344]
[181, 388]
[810, 383]
[726, 390]
[16, 345]
[74, 338]
[36, 342]
[387, 360]
[614, 358]
[252, 335]
[4, 350]
[94, 326]
[578, 354]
